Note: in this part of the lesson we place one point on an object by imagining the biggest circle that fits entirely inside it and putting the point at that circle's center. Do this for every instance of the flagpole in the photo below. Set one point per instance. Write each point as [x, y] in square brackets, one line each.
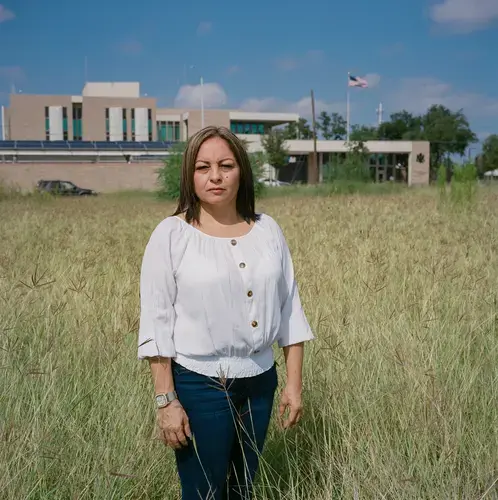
[202, 102]
[348, 111]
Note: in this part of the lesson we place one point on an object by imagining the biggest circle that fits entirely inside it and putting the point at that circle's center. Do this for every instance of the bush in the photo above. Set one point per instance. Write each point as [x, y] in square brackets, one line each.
[257, 162]
[464, 185]
[168, 176]
[352, 169]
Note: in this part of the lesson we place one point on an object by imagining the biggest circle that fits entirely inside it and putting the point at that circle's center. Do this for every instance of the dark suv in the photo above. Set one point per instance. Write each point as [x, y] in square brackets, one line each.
[64, 188]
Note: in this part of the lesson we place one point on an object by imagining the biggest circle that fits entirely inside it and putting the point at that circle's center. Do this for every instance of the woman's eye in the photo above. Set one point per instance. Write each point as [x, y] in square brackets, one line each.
[227, 166]
[202, 167]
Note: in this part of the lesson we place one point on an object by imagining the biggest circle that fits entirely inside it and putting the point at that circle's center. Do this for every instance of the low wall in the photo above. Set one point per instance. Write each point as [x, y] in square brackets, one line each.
[102, 177]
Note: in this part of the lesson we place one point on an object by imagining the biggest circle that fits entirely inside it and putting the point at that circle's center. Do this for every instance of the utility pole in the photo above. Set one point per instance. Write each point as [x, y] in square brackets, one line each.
[313, 165]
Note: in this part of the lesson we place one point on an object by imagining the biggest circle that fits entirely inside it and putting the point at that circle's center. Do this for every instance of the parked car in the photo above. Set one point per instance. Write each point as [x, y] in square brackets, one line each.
[64, 188]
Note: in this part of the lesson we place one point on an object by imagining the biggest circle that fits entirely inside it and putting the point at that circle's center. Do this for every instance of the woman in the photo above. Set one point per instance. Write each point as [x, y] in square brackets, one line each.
[217, 291]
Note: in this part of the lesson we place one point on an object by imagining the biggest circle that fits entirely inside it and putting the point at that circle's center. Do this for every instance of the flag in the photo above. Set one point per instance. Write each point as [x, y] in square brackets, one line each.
[356, 81]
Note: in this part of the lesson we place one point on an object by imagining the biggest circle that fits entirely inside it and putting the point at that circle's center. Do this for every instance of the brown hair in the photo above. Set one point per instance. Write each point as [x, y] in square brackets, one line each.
[189, 202]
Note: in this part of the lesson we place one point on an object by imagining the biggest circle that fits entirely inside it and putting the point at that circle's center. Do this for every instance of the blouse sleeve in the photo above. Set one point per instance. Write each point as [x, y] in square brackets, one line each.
[294, 326]
[157, 296]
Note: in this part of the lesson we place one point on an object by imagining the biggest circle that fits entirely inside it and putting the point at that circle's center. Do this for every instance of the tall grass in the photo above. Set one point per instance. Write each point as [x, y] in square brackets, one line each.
[400, 386]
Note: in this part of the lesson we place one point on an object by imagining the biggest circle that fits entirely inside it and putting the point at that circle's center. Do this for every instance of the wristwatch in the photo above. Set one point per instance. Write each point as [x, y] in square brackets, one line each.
[163, 400]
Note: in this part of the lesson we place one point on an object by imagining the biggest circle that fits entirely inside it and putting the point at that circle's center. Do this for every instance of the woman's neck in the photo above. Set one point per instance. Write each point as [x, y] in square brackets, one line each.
[222, 215]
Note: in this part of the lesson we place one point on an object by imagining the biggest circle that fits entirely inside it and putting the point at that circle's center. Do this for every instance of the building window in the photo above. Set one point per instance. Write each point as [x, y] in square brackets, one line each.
[247, 128]
[65, 133]
[149, 118]
[168, 131]
[77, 126]
[107, 131]
[47, 124]
[133, 124]
[125, 128]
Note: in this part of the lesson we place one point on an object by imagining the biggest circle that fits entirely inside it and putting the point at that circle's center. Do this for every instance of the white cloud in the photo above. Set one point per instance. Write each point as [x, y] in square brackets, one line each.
[302, 106]
[6, 14]
[204, 28]
[373, 79]
[465, 15]
[418, 94]
[189, 96]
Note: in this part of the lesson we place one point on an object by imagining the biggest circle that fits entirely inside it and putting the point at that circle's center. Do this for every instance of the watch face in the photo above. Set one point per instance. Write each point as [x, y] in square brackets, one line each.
[161, 400]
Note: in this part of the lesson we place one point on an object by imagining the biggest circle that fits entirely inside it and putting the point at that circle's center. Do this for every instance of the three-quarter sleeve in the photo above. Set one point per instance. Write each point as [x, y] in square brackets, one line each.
[294, 326]
[157, 297]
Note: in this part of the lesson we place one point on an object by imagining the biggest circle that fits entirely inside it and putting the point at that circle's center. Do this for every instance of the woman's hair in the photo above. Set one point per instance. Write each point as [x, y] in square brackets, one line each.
[189, 204]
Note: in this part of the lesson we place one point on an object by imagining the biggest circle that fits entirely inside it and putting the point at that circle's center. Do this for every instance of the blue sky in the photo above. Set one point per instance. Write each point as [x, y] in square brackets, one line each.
[262, 55]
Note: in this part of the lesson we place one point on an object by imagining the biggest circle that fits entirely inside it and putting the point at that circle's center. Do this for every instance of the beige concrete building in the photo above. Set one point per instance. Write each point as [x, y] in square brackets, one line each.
[112, 122]
[117, 111]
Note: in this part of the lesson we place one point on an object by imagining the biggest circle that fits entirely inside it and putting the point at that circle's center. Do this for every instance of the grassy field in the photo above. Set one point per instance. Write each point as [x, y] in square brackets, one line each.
[401, 384]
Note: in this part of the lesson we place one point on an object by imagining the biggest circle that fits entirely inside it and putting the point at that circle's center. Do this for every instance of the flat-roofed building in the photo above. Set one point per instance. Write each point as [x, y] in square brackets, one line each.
[117, 111]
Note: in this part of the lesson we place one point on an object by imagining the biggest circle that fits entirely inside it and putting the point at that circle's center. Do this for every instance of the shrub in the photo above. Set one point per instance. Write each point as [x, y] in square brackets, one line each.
[168, 176]
[464, 185]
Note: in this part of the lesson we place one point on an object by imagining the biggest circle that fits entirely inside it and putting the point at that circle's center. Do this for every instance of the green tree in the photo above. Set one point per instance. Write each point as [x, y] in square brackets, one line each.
[298, 130]
[332, 126]
[361, 133]
[324, 125]
[489, 158]
[401, 126]
[448, 132]
[275, 148]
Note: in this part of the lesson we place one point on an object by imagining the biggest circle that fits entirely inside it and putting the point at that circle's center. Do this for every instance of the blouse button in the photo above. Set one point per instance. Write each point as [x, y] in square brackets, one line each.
[242, 265]
[233, 242]
[254, 324]
[249, 293]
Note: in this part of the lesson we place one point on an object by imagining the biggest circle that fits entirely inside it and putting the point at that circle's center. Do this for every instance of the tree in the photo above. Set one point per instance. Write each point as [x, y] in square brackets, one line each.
[324, 124]
[275, 148]
[401, 126]
[332, 126]
[360, 133]
[489, 159]
[448, 132]
[298, 130]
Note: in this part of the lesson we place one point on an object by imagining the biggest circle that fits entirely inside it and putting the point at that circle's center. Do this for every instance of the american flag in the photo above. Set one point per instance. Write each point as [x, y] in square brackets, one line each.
[356, 81]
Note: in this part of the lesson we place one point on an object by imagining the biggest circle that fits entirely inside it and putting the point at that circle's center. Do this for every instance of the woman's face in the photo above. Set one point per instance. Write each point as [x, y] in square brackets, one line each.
[216, 174]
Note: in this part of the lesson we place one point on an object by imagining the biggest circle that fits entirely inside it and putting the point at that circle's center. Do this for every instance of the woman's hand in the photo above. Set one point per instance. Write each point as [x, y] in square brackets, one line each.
[173, 423]
[291, 400]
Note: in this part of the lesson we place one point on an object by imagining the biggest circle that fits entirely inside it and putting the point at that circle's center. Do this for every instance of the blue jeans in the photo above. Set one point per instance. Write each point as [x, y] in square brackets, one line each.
[229, 420]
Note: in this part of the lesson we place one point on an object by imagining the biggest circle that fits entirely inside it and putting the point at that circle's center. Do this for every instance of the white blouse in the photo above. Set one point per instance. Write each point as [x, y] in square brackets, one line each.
[217, 305]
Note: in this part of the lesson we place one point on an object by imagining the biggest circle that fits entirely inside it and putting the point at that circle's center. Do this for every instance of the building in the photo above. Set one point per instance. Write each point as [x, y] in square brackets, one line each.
[112, 122]
[117, 111]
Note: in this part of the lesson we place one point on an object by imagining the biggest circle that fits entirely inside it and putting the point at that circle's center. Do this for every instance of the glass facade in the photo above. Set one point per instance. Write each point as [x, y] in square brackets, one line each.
[107, 127]
[168, 131]
[132, 124]
[248, 128]
[77, 122]
[65, 133]
[47, 124]
[125, 128]
[149, 123]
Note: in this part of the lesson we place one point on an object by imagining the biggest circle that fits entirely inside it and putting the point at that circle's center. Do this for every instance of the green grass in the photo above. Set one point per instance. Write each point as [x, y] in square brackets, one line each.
[401, 385]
